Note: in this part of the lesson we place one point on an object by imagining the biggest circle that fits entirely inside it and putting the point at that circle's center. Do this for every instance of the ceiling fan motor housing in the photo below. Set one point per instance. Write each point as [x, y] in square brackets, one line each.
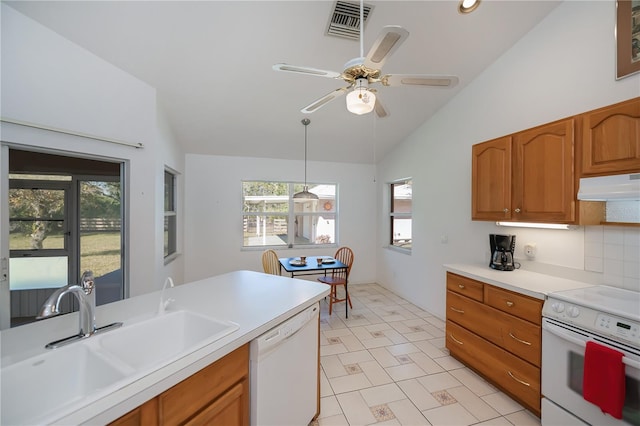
[355, 69]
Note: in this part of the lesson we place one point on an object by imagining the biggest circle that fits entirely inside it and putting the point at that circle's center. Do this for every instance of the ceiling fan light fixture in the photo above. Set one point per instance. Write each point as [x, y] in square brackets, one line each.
[468, 6]
[361, 100]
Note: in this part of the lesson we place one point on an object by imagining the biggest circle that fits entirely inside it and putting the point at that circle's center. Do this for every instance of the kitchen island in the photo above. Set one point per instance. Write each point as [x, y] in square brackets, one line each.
[253, 301]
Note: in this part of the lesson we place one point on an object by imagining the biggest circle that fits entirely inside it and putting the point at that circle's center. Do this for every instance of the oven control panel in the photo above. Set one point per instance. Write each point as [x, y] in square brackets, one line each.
[625, 329]
[593, 320]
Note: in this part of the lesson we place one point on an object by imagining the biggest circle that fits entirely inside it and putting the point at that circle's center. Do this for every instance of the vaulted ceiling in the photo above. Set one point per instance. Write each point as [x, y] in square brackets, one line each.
[211, 63]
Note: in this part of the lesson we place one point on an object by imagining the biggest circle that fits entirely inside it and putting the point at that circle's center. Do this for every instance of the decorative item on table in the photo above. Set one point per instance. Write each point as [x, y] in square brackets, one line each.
[299, 261]
[328, 260]
[319, 260]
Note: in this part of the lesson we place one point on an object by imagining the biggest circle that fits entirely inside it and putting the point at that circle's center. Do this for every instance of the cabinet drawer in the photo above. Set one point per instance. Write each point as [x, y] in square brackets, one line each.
[193, 394]
[516, 377]
[466, 286]
[517, 336]
[512, 303]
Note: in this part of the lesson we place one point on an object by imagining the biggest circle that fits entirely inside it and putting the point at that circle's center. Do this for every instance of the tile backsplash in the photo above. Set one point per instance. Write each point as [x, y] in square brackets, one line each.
[615, 252]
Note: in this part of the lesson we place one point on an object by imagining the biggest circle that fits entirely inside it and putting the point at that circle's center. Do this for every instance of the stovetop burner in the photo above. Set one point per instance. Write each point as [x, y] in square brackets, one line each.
[606, 299]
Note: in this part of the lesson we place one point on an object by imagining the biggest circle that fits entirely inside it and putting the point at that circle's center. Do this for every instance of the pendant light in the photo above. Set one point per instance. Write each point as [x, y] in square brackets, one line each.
[305, 195]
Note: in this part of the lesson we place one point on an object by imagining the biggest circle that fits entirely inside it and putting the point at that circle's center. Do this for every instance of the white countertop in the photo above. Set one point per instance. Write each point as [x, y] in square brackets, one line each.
[255, 301]
[532, 284]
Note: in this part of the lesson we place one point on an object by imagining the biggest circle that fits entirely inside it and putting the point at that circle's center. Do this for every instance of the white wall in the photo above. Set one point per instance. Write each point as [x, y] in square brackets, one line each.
[213, 192]
[564, 66]
[49, 81]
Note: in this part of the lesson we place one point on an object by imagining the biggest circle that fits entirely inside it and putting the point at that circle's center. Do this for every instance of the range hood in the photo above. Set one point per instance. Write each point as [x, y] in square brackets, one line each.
[607, 188]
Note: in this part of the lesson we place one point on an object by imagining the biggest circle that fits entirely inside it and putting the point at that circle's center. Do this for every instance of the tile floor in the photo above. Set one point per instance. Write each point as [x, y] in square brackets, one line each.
[387, 365]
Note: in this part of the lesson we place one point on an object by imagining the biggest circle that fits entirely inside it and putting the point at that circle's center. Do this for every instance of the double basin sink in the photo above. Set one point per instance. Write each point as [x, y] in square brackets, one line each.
[40, 388]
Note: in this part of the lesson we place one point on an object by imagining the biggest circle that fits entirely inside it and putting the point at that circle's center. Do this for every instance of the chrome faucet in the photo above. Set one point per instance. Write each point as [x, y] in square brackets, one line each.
[84, 292]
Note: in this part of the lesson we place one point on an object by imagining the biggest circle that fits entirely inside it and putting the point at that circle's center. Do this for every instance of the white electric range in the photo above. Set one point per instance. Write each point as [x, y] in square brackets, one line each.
[607, 315]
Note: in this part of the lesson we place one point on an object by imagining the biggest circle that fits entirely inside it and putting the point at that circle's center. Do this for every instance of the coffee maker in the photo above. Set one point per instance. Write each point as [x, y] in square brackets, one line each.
[502, 248]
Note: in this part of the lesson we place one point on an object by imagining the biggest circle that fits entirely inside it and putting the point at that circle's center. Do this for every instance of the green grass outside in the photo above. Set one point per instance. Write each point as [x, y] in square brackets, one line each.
[100, 251]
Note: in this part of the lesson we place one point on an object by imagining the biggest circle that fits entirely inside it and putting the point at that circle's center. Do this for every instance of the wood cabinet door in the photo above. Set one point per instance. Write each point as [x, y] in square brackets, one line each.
[491, 180]
[543, 184]
[230, 409]
[611, 139]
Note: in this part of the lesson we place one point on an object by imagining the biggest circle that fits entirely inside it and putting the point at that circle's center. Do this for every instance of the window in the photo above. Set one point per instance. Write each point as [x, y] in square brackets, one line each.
[400, 213]
[65, 216]
[272, 217]
[170, 219]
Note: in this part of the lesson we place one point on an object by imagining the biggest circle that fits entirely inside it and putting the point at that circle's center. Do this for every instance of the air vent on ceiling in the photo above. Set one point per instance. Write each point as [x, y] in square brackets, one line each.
[345, 19]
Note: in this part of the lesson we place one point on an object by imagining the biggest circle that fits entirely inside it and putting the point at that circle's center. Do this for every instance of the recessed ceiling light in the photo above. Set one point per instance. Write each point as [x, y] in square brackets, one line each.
[468, 6]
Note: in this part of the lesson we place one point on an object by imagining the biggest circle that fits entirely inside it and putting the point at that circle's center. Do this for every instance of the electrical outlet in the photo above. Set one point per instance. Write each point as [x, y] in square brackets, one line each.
[530, 250]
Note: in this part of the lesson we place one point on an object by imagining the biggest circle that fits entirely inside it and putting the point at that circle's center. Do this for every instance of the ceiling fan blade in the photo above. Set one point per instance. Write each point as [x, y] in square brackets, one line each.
[419, 80]
[319, 103]
[306, 70]
[379, 108]
[390, 38]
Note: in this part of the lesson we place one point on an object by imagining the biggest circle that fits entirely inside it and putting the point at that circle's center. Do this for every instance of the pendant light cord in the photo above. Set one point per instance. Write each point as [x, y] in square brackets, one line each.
[306, 122]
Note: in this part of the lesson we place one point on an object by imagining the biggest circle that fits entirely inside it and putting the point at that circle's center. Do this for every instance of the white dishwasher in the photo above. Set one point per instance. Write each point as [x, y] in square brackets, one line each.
[284, 372]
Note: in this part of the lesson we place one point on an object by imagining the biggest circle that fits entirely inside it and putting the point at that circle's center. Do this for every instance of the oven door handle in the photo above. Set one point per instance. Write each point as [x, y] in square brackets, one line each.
[583, 343]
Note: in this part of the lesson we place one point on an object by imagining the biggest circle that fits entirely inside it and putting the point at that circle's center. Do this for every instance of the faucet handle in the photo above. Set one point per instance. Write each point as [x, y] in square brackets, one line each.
[87, 281]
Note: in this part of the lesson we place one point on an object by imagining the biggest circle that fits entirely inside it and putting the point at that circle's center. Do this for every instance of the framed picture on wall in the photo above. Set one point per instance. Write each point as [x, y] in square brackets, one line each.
[627, 37]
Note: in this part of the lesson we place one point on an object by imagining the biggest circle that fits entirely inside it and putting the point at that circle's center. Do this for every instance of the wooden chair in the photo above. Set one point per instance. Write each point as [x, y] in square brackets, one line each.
[270, 262]
[339, 277]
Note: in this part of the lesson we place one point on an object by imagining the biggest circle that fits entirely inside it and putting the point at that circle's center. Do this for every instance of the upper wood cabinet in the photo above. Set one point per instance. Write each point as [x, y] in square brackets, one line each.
[543, 183]
[611, 139]
[491, 180]
[527, 176]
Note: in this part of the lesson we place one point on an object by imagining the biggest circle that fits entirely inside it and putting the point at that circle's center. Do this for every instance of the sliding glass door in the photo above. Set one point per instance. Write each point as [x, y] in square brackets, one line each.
[39, 240]
[100, 231]
[65, 217]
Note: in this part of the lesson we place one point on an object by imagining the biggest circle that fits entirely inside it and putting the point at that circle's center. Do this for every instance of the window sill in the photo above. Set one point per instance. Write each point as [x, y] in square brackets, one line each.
[171, 258]
[399, 249]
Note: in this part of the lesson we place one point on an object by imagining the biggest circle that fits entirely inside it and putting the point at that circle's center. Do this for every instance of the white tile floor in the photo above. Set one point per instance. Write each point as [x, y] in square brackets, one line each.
[387, 365]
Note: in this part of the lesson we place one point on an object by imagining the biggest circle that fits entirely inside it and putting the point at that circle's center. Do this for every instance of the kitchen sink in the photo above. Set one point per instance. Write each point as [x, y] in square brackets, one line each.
[164, 337]
[61, 380]
[45, 383]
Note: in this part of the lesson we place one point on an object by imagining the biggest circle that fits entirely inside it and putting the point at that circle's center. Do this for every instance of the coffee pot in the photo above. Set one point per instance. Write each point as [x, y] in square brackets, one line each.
[502, 248]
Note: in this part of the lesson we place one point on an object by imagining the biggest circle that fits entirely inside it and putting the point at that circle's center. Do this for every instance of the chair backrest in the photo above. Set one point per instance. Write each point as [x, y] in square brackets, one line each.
[344, 255]
[270, 262]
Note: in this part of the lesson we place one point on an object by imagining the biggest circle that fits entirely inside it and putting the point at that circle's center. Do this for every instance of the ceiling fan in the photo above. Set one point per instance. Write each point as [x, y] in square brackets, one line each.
[364, 71]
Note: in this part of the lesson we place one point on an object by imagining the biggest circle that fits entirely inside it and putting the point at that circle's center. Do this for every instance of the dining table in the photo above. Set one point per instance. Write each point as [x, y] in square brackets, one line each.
[310, 266]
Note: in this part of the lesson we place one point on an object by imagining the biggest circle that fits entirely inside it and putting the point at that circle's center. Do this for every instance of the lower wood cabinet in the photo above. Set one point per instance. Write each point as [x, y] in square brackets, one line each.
[516, 377]
[497, 333]
[216, 395]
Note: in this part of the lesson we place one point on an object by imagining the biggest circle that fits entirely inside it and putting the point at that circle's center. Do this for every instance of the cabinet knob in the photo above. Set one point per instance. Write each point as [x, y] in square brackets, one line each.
[517, 210]
[509, 303]
[506, 210]
[461, 285]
